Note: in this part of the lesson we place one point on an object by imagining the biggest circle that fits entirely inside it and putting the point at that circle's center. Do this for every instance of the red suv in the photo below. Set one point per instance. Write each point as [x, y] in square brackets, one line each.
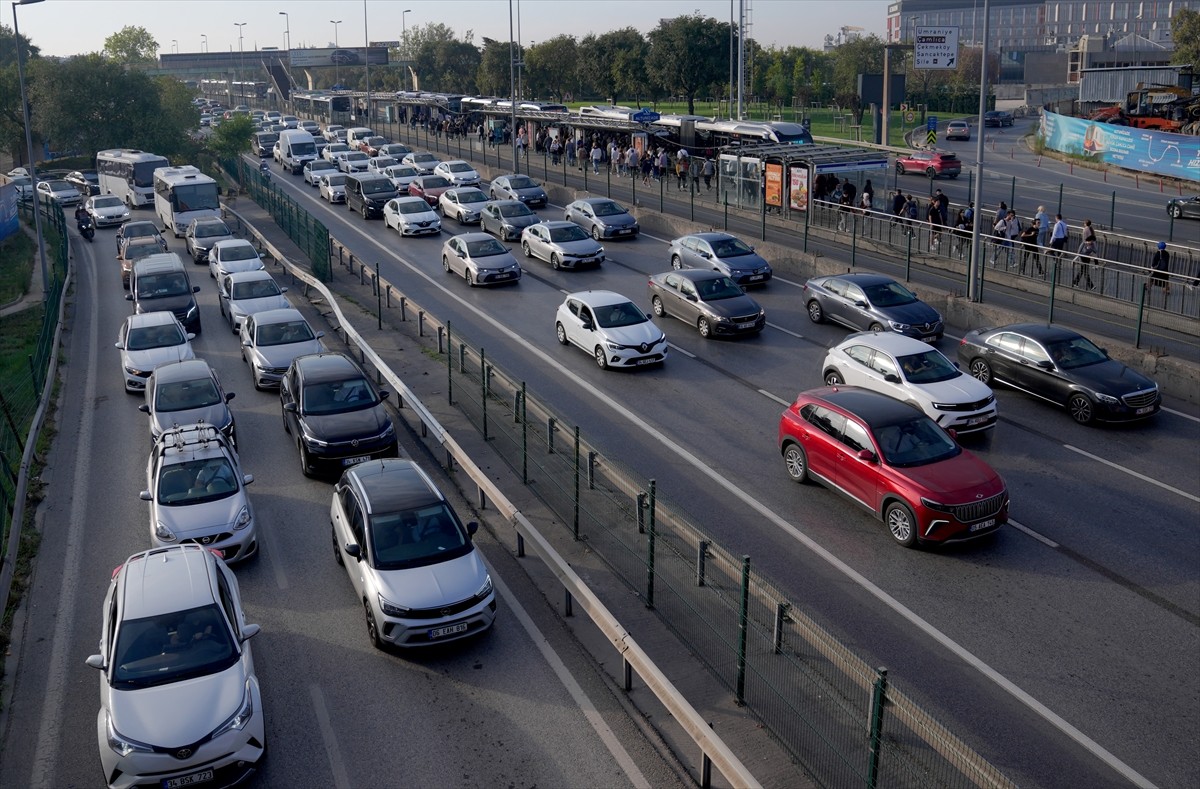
[930, 163]
[894, 461]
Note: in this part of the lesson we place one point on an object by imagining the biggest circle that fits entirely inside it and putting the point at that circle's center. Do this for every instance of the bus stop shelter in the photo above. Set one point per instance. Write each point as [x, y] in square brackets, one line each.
[778, 178]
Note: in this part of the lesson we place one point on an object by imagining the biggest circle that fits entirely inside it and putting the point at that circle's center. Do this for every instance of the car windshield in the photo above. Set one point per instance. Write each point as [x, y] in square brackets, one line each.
[521, 182]
[378, 186]
[472, 197]
[172, 647]
[283, 333]
[515, 209]
[186, 395]
[417, 206]
[612, 316]
[485, 248]
[424, 157]
[1075, 352]
[335, 180]
[434, 182]
[717, 289]
[337, 147]
[238, 252]
[889, 294]
[137, 251]
[357, 156]
[139, 229]
[144, 338]
[928, 367]
[106, 202]
[383, 161]
[567, 233]
[460, 167]
[211, 229]
[254, 289]
[415, 538]
[196, 482]
[730, 248]
[338, 397]
[59, 186]
[154, 286]
[915, 442]
[375, 142]
[401, 171]
[607, 208]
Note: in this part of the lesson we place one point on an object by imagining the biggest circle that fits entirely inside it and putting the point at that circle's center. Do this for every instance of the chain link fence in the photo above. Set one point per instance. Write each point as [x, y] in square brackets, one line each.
[301, 227]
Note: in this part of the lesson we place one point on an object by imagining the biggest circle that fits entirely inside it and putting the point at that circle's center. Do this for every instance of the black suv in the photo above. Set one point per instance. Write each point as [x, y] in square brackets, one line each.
[335, 413]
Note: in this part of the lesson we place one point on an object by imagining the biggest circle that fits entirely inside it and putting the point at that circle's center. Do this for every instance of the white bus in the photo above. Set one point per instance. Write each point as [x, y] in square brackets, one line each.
[129, 174]
[182, 194]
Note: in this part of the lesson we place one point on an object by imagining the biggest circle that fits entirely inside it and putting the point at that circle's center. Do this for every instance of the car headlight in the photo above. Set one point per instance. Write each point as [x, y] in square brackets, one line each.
[612, 346]
[1109, 399]
[122, 745]
[243, 519]
[239, 719]
[135, 371]
[310, 439]
[486, 589]
[933, 505]
[163, 532]
[944, 406]
[193, 312]
[898, 326]
[389, 431]
[391, 609]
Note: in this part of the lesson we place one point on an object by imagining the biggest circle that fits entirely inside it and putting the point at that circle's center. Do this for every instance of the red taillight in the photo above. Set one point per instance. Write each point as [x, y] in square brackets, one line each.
[217, 552]
[116, 570]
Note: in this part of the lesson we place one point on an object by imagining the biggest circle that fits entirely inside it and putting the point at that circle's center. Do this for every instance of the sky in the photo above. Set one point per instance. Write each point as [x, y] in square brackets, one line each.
[71, 27]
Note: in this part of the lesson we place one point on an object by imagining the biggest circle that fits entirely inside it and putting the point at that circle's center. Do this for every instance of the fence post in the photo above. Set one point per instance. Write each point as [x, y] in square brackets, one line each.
[701, 556]
[878, 699]
[1060, 191]
[908, 258]
[853, 238]
[1012, 197]
[641, 513]
[483, 389]
[1053, 285]
[1137, 337]
[807, 213]
[575, 467]
[781, 609]
[662, 180]
[650, 548]
[551, 426]
[524, 439]
[743, 610]
[449, 366]
[1112, 214]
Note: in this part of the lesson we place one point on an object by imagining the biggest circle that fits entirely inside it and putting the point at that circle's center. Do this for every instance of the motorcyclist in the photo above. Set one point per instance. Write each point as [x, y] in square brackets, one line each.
[81, 214]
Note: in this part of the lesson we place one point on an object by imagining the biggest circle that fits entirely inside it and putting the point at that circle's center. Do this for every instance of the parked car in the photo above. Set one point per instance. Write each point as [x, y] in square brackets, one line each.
[1061, 367]
[958, 130]
[1184, 207]
[893, 461]
[997, 118]
[332, 187]
[425, 162]
[142, 228]
[87, 182]
[187, 393]
[707, 300]
[180, 703]
[458, 172]
[464, 204]
[148, 340]
[107, 210]
[480, 260]
[334, 413]
[506, 218]
[408, 556]
[411, 216]
[721, 252]
[247, 292]
[202, 234]
[271, 339]
[429, 187]
[610, 328]
[561, 244]
[912, 372]
[929, 163]
[871, 302]
[602, 218]
[58, 191]
[229, 257]
[518, 187]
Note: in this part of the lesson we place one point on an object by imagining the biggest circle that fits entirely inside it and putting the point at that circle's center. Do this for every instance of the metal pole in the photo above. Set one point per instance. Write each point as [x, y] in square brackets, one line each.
[743, 617]
[1012, 195]
[1060, 191]
[650, 548]
[974, 289]
[524, 439]
[878, 696]
[366, 64]
[512, 87]
[575, 514]
[1112, 215]
[36, 201]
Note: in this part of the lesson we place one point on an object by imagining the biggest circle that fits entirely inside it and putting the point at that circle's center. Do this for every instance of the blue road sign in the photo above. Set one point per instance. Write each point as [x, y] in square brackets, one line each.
[645, 116]
[931, 123]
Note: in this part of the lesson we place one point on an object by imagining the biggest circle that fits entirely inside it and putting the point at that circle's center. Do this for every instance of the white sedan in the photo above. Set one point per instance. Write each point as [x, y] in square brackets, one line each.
[458, 172]
[611, 328]
[147, 340]
[107, 210]
[411, 216]
[228, 257]
[315, 169]
[463, 204]
[335, 150]
[480, 260]
[333, 187]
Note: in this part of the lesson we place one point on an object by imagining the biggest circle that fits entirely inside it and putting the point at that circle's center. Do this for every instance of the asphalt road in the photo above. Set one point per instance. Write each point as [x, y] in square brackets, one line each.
[520, 706]
[1056, 649]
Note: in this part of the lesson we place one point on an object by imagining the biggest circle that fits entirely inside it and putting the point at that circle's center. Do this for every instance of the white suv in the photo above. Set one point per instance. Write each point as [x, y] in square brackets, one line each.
[179, 700]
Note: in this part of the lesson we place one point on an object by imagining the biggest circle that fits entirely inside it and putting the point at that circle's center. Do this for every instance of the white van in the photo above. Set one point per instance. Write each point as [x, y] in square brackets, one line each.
[356, 135]
[296, 147]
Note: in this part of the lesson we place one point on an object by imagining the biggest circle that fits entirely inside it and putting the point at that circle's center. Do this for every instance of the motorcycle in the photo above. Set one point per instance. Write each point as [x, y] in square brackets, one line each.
[86, 228]
[265, 169]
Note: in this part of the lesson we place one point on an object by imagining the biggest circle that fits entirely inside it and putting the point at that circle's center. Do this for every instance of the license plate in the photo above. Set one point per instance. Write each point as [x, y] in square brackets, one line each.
[978, 420]
[204, 776]
[745, 325]
[930, 339]
[756, 277]
[987, 524]
[645, 361]
[1146, 410]
[625, 231]
[449, 630]
[504, 276]
[358, 459]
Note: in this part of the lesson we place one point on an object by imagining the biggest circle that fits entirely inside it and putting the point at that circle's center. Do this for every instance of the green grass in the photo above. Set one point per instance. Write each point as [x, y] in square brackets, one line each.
[16, 266]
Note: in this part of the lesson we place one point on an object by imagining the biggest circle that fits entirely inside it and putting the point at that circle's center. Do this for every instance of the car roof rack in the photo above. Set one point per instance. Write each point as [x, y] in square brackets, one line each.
[193, 436]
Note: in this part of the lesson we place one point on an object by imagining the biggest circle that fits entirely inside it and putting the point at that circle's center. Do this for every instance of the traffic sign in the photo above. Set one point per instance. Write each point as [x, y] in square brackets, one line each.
[910, 116]
[936, 48]
[931, 123]
[645, 116]
[931, 137]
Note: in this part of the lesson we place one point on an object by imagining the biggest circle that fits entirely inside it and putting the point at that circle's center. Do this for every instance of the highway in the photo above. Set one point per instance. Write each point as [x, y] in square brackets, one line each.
[1055, 649]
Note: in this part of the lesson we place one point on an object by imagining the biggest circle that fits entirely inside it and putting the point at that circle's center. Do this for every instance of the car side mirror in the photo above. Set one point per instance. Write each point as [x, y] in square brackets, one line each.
[1045, 364]
[245, 343]
[289, 407]
[229, 396]
[191, 336]
[860, 303]
[587, 325]
[146, 495]
[247, 479]
[353, 551]
[283, 290]
[128, 297]
[705, 255]
[953, 433]
[144, 408]
[384, 394]
[865, 454]
[250, 631]
[119, 346]
[320, 334]
[472, 528]
[95, 661]
[195, 289]
[892, 378]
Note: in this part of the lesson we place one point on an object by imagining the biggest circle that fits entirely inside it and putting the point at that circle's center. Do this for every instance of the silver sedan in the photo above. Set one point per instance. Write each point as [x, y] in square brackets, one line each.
[506, 218]
[562, 244]
[480, 260]
[518, 187]
[463, 203]
[603, 218]
[721, 252]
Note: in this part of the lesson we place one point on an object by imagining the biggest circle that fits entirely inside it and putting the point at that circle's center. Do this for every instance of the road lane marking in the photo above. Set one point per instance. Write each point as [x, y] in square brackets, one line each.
[1023, 528]
[780, 400]
[777, 327]
[1180, 413]
[580, 697]
[1132, 473]
[341, 779]
[681, 350]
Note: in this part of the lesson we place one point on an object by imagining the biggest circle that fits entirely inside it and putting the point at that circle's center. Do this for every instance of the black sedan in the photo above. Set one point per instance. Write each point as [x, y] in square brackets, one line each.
[998, 118]
[86, 181]
[1184, 207]
[1061, 367]
[871, 302]
[708, 300]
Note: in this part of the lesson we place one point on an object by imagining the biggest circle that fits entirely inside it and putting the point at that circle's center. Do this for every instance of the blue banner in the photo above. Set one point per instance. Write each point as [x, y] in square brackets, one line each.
[1159, 153]
[8, 211]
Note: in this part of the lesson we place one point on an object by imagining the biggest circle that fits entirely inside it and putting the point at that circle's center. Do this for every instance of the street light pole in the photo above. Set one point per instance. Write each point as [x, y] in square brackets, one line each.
[241, 64]
[404, 32]
[337, 67]
[287, 21]
[367, 64]
[204, 41]
[36, 200]
[175, 45]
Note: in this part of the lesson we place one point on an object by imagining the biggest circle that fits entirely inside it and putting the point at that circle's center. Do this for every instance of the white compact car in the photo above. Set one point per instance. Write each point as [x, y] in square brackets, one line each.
[611, 328]
[247, 292]
[148, 340]
[411, 216]
[332, 187]
[229, 257]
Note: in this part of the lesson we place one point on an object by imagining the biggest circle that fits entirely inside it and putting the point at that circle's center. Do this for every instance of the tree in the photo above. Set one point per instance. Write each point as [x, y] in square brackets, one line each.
[12, 125]
[131, 45]
[232, 137]
[1185, 31]
[613, 63]
[688, 54]
[493, 74]
[630, 49]
[858, 56]
[551, 67]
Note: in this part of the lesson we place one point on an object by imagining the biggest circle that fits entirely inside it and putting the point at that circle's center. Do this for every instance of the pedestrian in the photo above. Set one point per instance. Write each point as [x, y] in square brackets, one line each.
[1160, 264]
[631, 162]
[1029, 246]
[1014, 232]
[664, 163]
[933, 215]
[556, 151]
[869, 190]
[1000, 231]
[849, 192]
[1001, 212]
[943, 204]
[647, 167]
[962, 232]
[695, 168]
[898, 203]
[709, 171]
[681, 169]
[1087, 250]
[1043, 226]
[912, 212]
[597, 155]
[1058, 236]
[571, 151]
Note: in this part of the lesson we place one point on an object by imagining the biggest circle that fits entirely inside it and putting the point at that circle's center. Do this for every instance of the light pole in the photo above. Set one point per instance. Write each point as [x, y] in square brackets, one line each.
[404, 32]
[366, 63]
[175, 45]
[287, 21]
[337, 67]
[204, 41]
[241, 63]
[36, 201]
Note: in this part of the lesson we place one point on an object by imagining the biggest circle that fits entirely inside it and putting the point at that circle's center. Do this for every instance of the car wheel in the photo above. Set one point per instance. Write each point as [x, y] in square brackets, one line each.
[601, 358]
[901, 523]
[446, 263]
[657, 305]
[1176, 211]
[676, 262]
[555, 262]
[704, 327]
[1081, 409]
[467, 276]
[561, 333]
[932, 173]
[875, 327]
[305, 460]
[525, 249]
[595, 233]
[834, 378]
[337, 551]
[899, 169]
[796, 462]
[815, 313]
[372, 628]
[981, 371]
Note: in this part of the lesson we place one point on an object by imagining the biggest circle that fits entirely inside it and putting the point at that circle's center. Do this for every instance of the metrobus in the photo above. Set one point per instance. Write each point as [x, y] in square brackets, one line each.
[182, 194]
[129, 174]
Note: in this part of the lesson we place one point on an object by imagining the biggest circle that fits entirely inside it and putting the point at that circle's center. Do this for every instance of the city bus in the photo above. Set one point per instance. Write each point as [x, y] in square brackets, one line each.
[129, 174]
[182, 194]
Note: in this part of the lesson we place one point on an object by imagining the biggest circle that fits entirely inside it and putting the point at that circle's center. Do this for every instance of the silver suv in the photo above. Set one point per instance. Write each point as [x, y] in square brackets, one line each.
[202, 234]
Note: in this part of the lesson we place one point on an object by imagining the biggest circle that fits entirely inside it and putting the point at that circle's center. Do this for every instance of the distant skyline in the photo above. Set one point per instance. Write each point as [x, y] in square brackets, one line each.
[75, 27]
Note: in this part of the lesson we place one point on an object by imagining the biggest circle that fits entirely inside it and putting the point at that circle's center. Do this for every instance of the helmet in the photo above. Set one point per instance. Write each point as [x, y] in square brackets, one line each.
[1162, 244]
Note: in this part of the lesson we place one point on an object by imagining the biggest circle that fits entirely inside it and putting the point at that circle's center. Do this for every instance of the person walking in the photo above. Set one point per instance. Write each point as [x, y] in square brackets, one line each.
[912, 213]
[898, 203]
[681, 169]
[933, 215]
[571, 151]
[631, 162]
[710, 170]
[943, 204]
[1160, 264]
[555, 151]
[695, 167]
[1043, 226]
[1029, 246]
[1087, 250]
[1058, 236]
[597, 155]
[1014, 232]
[962, 233]
[1000, 231]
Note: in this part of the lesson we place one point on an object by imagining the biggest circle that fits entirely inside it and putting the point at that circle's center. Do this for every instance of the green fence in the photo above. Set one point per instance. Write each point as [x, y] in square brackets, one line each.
[309, 234]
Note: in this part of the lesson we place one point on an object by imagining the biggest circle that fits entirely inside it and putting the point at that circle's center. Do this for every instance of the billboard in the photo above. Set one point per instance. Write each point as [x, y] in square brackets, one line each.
[8, 209]
[305, 58]
[774, 184]
[1155, 152]
[798, 194]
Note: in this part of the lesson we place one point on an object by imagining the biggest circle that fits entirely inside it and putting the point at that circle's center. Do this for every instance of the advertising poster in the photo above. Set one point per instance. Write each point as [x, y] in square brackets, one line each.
[1155, 152]
[775, 185]
[799, 190]
[8, 210]
[374, 56]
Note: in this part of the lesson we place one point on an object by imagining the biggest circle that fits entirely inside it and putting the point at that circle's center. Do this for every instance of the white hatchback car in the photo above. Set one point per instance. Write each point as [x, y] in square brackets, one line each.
[180, 703]
[611, 328]
[332, 187]
[228, 257]
[411, 216]
[912, 371]
[148, 340]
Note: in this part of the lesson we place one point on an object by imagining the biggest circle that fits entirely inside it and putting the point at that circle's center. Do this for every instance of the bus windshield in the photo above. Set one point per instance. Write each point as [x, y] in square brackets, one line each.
[195, 197]
[143, 172]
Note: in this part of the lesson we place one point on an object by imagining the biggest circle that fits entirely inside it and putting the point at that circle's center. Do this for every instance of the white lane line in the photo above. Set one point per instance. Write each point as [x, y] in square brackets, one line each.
[1132, 473]
[1023, 528]
[622, 757]
[777, 327]
[47, 752]
[341, 779]
[720, 480]
[786, 281]
[681, 350]
[780, 400]
[1180, 413]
